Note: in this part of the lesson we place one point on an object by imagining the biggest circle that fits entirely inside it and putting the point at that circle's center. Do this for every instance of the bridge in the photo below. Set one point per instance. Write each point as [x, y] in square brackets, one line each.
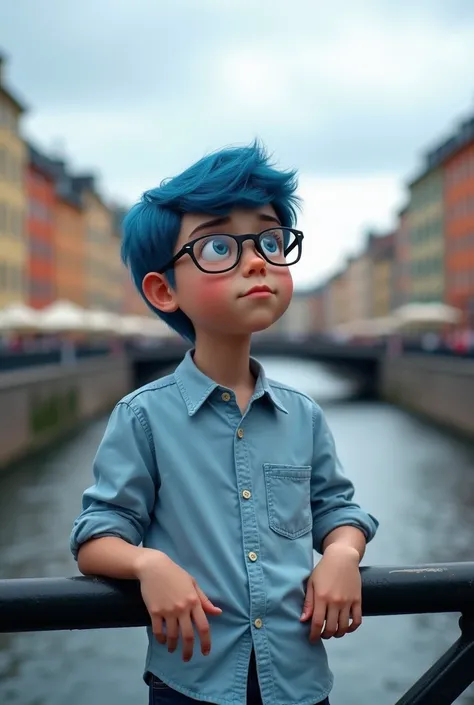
[44, 604]
[358, 361]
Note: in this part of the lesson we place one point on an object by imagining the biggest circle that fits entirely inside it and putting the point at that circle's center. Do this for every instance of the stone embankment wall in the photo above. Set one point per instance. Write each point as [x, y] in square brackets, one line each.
[440, 388]
[40, 404]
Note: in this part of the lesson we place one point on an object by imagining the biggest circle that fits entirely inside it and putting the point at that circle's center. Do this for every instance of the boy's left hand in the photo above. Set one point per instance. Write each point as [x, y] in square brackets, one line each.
[334, 594]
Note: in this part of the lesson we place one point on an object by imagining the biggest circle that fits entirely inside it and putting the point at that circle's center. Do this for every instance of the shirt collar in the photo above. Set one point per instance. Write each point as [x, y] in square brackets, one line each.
[196, 387]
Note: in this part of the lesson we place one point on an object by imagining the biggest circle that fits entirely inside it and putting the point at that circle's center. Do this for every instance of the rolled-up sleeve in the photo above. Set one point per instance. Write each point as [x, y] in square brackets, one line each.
[122, 498]
[332, 492]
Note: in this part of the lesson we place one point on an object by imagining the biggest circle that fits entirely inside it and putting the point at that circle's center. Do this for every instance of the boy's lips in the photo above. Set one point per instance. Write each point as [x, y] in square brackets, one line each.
[259, 291]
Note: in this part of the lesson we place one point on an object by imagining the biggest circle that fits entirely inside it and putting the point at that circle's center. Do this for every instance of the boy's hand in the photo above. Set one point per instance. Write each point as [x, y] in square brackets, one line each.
[172, 596]
[333, 594]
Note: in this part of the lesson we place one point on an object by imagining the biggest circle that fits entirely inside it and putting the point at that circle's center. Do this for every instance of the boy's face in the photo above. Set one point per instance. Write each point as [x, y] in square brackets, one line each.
[220, 303]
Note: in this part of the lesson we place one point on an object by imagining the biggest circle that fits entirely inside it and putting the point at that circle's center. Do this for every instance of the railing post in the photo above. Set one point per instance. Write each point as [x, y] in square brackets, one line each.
[450, 675]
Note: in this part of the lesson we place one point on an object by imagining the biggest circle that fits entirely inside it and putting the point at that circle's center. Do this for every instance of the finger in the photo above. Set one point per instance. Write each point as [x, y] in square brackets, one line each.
[308, 603]
[343, 622]
[187, 635]
[332, 619]
[172, 633]
[157, 628]
[319, 616]
[203, 629]
[206, 603]
[356, 614]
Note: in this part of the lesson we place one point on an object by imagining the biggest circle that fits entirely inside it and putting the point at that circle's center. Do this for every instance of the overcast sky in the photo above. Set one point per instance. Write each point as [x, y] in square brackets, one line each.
[350, 92]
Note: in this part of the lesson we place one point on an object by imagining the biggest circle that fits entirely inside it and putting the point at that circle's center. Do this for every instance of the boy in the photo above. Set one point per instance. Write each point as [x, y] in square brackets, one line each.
[213, 484]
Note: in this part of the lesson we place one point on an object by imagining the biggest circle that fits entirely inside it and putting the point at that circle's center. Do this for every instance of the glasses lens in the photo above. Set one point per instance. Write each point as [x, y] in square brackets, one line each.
[216, 253]
[280, 246]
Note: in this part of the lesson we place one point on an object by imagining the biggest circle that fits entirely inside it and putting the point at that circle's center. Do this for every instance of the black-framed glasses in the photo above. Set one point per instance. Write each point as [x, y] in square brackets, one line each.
[215, 254]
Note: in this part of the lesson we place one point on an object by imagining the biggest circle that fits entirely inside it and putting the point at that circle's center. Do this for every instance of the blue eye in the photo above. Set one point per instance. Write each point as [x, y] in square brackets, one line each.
[216, 248]
[270, 244]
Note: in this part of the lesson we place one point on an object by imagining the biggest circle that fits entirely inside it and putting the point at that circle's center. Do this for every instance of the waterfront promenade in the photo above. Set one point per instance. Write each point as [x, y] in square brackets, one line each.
[45, 395]
[418, 478]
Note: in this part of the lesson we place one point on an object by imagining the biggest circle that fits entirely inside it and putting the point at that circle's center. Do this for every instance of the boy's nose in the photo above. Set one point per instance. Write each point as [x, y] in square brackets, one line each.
[252, 262]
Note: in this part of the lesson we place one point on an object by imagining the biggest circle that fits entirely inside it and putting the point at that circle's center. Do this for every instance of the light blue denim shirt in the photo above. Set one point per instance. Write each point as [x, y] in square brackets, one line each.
[239, 501]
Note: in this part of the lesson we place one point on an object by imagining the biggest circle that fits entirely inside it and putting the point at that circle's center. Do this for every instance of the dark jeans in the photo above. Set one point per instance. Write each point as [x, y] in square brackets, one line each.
[162, 694]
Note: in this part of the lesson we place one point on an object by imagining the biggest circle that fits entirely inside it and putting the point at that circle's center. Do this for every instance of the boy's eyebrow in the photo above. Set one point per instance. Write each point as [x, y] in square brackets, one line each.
[223, 220]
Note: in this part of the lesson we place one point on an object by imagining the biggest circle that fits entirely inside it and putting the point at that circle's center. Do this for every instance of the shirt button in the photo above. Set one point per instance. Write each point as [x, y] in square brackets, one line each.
[258, 623]
[252, 556]
[226, 396]
[240, 432]
[246, 494]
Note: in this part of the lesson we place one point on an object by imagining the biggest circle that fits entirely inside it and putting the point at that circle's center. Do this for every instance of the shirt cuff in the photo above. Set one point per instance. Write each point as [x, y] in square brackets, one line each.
[367, 523]
[100, 524]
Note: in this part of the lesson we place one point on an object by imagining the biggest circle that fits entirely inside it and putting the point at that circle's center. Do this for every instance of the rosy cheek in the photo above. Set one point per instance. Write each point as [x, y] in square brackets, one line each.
[285, 282]
[211, 294]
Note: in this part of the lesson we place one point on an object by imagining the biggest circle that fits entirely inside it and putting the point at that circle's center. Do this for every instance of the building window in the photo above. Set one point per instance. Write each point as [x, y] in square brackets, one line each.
[7, 117]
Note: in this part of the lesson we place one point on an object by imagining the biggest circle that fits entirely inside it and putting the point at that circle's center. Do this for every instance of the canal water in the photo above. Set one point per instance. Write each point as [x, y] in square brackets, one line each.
[418, 480]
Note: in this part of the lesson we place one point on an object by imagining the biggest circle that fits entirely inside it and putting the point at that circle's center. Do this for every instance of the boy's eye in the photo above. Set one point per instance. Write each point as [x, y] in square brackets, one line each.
[217, 247]
[270, 244]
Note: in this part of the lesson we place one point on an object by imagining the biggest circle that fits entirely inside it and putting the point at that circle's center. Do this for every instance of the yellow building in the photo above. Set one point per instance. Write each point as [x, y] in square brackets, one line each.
[13, 245]
[426, 237]
[297, 319]
[337, 301]
[359, 287]
[383, 275]
[103, 271]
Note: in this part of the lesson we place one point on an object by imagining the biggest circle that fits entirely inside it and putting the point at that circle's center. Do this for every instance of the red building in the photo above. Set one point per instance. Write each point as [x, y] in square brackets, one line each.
[40, 188]
[456, 155]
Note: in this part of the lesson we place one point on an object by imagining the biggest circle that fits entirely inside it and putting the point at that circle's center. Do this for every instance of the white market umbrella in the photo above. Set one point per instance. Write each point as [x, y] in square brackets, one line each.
[19, 317]
[142, 326]
[64, 316]
[102, 321]
[3, 323]
[426, 314]
[129, 326]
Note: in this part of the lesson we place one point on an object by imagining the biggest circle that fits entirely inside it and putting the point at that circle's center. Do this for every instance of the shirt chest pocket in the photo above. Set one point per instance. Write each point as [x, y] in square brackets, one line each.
[288, 499]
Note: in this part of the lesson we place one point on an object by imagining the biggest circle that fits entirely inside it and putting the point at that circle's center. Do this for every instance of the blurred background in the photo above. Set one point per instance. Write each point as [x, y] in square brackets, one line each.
[374, 104]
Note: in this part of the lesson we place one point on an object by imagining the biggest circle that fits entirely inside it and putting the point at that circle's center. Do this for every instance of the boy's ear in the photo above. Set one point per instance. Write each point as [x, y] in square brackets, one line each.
[159, 293]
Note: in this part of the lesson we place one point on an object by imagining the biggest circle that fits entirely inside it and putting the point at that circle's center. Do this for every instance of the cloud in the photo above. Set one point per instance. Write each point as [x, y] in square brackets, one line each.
[349, 92]
[336, 211]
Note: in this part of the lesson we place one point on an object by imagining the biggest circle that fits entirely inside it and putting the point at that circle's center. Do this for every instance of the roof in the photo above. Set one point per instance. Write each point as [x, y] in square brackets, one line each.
[382, 246]
[446, 149]
[6, 92]
[41, 162]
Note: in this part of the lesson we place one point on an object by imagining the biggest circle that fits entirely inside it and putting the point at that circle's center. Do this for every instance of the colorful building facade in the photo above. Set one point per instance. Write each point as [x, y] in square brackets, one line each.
[402, 284]
[337, 301]
[359, 277]
[70, 240]
[13, 243]
[459, 208]
[425, 222]
[317, 310]
[298, 318]
[383, 275]
[41, 261]
[104, 272]
[132, 302]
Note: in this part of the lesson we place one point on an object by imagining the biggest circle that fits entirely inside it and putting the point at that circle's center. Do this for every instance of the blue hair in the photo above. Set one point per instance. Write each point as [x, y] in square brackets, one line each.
[235, 177]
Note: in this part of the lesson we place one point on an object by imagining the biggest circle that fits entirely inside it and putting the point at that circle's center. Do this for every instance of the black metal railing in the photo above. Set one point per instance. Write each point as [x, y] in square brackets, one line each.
[94, 603]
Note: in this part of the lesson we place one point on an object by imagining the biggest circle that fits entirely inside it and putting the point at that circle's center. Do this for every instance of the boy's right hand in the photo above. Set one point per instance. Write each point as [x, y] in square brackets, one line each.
[173, 597]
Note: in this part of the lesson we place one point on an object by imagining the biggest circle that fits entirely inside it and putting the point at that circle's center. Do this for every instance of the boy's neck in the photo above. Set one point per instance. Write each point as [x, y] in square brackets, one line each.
[225, 360]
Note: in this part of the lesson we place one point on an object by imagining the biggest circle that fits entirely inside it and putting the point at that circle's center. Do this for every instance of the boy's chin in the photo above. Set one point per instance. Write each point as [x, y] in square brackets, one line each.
[261, 325]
